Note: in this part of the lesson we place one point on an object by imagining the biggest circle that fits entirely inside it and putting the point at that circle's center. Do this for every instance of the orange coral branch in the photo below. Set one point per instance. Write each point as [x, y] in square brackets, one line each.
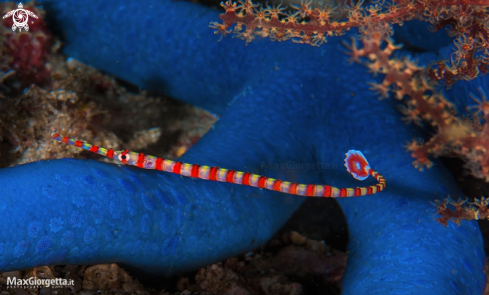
[476, 210]
[453, 135]
[466, 20]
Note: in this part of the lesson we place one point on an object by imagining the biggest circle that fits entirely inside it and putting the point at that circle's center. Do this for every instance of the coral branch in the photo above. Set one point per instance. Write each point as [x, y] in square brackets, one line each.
[476, 210]
[423, 103]
[465, 20]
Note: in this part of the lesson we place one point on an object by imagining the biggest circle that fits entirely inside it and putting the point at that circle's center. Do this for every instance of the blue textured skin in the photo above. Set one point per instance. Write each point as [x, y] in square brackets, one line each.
[279, 102]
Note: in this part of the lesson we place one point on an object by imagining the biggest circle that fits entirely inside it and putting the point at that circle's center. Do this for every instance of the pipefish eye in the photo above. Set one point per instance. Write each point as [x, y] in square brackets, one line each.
[124, 156]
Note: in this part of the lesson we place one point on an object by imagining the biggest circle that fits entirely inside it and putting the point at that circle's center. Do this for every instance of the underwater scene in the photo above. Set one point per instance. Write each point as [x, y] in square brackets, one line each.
[244, 147]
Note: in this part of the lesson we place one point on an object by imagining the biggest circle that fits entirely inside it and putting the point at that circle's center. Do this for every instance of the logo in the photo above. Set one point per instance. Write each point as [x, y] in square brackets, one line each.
[20, 17]
[32, 282]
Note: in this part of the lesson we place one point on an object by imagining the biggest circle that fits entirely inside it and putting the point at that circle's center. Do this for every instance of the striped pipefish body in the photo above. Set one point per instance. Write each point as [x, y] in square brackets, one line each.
[355, 163]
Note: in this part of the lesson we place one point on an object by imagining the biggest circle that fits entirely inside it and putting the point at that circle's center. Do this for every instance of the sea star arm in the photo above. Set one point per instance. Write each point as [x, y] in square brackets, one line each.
[71, 211]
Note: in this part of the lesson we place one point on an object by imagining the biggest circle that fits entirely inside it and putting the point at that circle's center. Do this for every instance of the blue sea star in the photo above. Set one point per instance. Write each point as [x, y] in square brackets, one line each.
[278, 102]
